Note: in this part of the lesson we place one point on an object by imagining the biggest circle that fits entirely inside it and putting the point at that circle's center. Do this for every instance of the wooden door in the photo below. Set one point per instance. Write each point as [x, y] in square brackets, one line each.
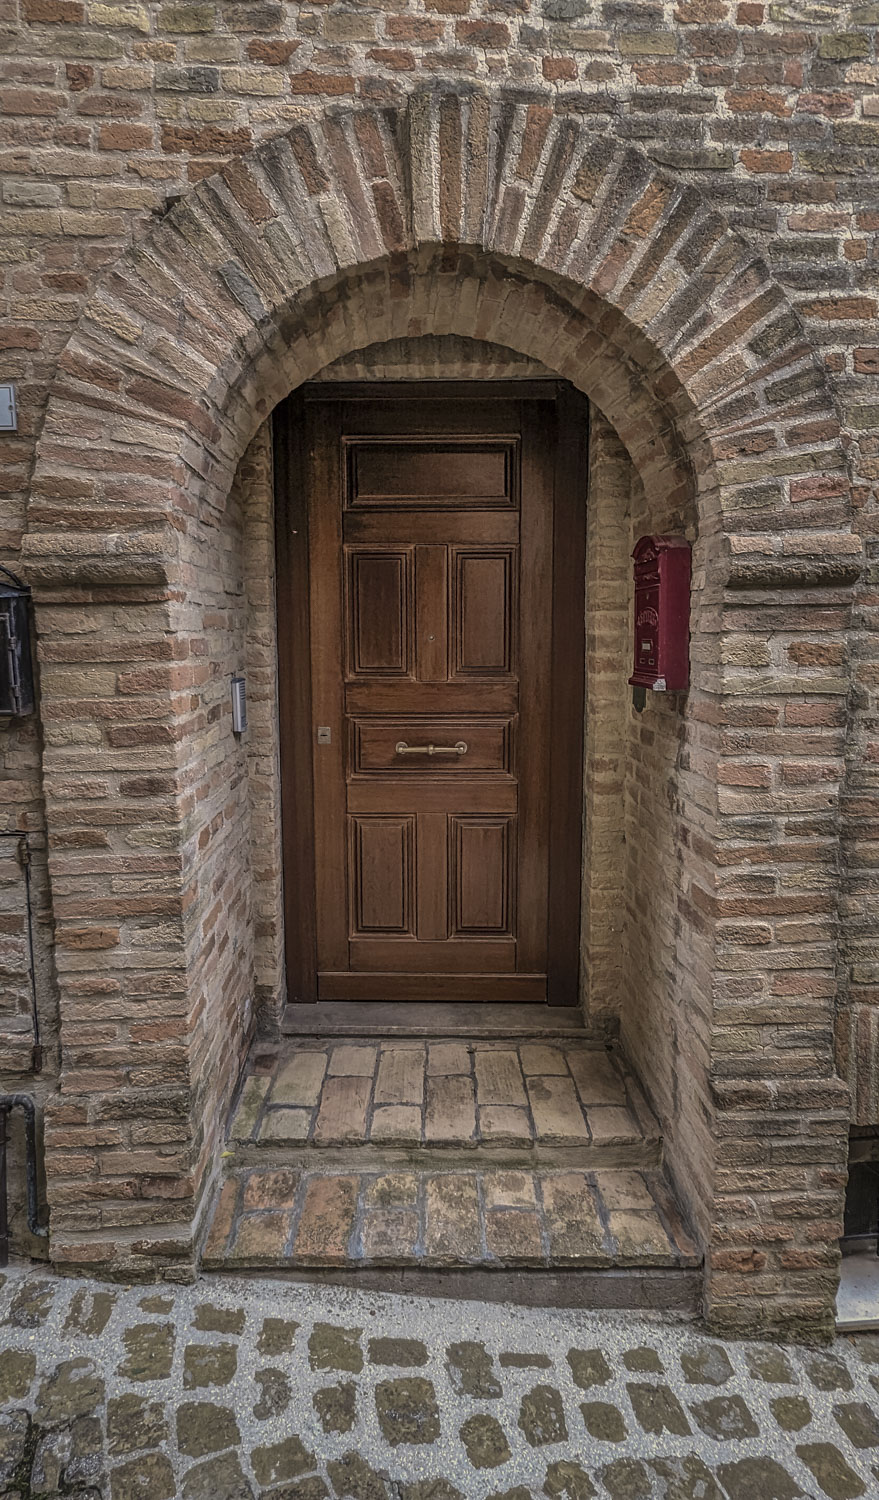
[440, 540]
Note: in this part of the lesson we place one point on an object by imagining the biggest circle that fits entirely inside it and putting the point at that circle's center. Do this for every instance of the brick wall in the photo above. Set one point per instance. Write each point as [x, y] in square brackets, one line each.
[608, 653]
[763, 115]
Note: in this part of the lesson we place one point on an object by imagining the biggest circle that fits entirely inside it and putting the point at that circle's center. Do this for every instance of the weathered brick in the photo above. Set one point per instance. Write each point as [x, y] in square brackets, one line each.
[125, 137]
[311, 82]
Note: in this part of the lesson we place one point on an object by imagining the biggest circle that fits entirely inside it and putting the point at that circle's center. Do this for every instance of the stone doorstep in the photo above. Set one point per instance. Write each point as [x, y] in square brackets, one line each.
[285, 1219]
[418, 1095]
[390, 1157]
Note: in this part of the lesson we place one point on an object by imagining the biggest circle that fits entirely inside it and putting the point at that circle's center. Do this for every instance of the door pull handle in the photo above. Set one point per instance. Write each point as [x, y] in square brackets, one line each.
[401, 748]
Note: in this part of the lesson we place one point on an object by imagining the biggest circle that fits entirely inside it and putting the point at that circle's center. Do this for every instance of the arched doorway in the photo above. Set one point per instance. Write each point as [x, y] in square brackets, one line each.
[343, 233]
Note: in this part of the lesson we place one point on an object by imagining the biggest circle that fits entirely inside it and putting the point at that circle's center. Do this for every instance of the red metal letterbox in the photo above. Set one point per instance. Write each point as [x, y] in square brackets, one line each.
[662, 613]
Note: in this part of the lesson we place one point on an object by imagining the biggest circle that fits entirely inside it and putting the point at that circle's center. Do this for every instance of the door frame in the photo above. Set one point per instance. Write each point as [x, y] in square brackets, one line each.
[566, 766]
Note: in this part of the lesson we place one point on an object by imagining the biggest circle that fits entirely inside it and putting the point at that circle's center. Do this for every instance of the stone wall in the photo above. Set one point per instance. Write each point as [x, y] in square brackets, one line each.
[760, 117]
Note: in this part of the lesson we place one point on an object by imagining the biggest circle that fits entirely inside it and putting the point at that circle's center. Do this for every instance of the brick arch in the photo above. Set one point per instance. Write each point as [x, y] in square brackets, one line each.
[471, 215]
[670, 320]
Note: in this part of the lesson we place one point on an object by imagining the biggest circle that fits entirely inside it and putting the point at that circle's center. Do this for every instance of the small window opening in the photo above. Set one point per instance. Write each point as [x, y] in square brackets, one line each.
[861, 1223]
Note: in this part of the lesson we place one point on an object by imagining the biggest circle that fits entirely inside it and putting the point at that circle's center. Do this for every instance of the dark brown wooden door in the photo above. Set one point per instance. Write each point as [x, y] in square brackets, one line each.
[444, 562]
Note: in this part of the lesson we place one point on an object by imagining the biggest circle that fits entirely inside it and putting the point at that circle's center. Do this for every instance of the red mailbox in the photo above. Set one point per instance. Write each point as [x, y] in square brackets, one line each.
[662, 614]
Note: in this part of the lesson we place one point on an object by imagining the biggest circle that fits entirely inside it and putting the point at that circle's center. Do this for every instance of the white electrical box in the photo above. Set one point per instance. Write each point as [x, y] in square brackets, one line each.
[239, 706]
[8, 418]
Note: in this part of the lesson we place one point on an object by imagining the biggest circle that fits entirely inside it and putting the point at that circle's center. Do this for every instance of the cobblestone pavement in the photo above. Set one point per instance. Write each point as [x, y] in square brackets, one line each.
[233, 1389]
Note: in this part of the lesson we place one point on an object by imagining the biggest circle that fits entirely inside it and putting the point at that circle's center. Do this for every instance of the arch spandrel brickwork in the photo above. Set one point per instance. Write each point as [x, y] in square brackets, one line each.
[483, 217]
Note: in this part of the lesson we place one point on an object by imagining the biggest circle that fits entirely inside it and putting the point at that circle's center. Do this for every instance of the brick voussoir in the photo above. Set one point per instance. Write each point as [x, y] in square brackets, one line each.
[352, 189]
[730, 332]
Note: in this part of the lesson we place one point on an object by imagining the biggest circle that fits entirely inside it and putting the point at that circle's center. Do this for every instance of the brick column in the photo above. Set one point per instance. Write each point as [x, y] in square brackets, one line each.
[781, 1124]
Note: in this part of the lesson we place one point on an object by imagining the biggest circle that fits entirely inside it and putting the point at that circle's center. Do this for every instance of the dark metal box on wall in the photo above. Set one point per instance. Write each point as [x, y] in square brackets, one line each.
[662, 613]
[16, 661]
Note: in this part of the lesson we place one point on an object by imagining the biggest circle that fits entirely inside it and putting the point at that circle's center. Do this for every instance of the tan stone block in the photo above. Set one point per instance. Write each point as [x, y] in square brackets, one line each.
[498, 1122]
[249, 1106]
[262, 1237]
[352, 1061]
[514, 1236]
[396, 1122]
[597, 1080]
[451, 1231]
[745, 651]
[348, 26]
[211, 49]
[272, 1189]
[451, 1112]
[221, 1223]
[390, 1235]
[556, 1109]
[259, 81]
[448, 1057]
[498, 1077]
[400, 1077]
[508, 1189]
[613, 1127]
[538, 1059]
[392, 1190]
[133, 17]
[187, 18]
[640, 1239]
[286, 1125]
[209, 111]
[327, 1219]
[571, 1216]
[299, 1079]
[624, 1190]
[126, 78]
[342, 1113]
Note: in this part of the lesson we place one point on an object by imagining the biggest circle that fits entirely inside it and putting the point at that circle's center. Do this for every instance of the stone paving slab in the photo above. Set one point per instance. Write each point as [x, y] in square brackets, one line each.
[233, 1390]
[459, 1094]
[280, 1216]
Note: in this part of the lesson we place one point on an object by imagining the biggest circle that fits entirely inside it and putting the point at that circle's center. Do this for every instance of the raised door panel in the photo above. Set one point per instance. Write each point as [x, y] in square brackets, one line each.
[406, 696]
[388, 747]
[482, 870]
[469, 955]
[484, 611]
[430, 472]
[431, 613]
[379, 598]
[381, 876]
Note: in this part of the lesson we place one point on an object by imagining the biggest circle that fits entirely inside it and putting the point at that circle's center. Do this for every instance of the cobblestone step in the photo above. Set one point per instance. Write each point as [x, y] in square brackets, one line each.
[467, 1162]
[403, 1095]
[491, 1219]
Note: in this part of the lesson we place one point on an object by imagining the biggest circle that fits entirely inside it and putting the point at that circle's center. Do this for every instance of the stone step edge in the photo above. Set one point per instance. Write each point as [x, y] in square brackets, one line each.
[363, 1156]
[668, 1290]
[675, 1260]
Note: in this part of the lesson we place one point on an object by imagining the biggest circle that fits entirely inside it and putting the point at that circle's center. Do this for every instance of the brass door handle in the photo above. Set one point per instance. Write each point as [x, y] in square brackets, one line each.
[402, 748]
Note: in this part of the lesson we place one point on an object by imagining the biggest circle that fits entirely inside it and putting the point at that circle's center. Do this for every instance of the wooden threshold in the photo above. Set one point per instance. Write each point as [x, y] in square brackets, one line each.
[379, 1018]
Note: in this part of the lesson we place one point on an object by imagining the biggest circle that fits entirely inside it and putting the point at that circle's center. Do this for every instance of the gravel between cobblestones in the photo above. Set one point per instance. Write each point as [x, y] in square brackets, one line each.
[233, 1389]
